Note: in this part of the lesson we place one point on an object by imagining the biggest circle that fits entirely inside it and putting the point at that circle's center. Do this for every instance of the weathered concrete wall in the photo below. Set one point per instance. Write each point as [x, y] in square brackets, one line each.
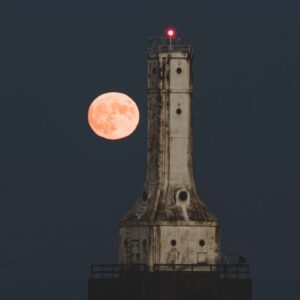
[169, 245]
[134, 245]
[188, 245]
[169, 119]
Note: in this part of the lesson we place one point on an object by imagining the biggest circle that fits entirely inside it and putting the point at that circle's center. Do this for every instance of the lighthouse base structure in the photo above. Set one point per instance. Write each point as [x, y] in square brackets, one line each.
[222, 282]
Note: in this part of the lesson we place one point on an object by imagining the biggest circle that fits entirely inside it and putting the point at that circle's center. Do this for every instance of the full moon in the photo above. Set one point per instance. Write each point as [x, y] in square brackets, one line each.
[113, 116]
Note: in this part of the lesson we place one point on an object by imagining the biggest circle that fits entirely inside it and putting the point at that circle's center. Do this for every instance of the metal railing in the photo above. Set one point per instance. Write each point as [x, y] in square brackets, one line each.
[166, 45]
[222, 270]
[117, 270]
[225, 271]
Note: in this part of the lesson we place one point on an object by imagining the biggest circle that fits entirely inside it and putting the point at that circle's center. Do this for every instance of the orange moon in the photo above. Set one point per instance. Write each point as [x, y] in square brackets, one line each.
[113, 116]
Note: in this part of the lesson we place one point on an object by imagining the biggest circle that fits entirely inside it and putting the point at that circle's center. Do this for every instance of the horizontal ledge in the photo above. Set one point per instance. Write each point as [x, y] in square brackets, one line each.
[158, 91]
[169, 223]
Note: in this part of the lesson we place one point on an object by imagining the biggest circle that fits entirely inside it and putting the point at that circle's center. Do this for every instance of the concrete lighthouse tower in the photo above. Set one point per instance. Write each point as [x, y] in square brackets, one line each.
[169, 223]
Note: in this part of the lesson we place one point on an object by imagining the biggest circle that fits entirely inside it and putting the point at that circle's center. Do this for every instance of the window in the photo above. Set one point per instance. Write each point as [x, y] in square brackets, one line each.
[173, 242]
[183, 195]
[201, 243]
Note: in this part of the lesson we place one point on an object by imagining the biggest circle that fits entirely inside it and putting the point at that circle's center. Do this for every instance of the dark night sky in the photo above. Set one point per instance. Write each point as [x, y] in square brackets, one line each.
[63, 190]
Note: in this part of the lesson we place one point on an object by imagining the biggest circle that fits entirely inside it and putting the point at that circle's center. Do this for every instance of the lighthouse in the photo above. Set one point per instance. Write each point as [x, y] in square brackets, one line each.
[169, 241]
[169, 223]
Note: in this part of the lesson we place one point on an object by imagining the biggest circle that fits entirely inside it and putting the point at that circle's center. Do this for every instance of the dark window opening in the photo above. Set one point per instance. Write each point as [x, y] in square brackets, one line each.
[183, 195]
[173, 242]
[178, 111]
[201, 243]
[145, 195]
[178, 70]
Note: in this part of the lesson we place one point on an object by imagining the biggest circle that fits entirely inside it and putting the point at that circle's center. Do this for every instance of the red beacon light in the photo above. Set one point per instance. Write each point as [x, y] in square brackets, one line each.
[171, 33]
